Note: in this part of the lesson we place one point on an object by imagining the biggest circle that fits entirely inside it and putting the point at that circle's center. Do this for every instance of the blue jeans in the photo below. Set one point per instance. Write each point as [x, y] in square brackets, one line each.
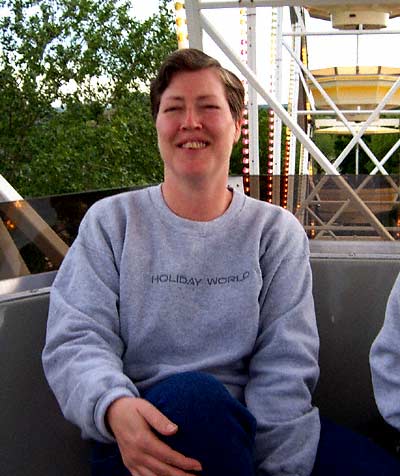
[342, 452]
[214, 427]
[217, 430]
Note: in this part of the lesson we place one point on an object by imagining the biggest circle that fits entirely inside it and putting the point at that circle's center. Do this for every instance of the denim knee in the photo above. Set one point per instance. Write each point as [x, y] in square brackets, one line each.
[213, 426]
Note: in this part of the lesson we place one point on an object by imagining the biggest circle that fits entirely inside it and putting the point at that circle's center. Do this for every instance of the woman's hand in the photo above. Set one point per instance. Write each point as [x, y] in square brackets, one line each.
[132, 421]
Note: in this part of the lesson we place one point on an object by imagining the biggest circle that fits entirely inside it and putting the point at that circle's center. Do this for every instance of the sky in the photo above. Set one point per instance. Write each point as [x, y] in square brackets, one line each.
[323, 51]
[372, 49]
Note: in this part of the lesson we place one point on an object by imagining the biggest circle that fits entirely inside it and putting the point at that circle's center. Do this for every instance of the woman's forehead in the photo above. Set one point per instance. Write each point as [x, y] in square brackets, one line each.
[202, 84]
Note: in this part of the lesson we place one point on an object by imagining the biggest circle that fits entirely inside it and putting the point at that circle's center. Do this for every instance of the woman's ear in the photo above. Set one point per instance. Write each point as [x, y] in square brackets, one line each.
[238, 130]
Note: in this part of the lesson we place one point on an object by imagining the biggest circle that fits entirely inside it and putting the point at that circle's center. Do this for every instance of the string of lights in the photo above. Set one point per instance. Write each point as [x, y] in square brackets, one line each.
[181, 25]
[245, 122]
[271, 113]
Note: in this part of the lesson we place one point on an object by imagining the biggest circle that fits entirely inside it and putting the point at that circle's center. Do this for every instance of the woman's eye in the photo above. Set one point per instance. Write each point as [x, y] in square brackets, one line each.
[171, 108]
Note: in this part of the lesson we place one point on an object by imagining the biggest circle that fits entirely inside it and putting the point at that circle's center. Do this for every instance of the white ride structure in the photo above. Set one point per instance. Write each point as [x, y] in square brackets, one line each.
[350, 101]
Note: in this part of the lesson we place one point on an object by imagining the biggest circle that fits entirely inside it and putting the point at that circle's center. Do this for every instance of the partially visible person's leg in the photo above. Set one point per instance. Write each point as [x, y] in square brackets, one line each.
[105, 460]
[214, 427]
[342, 452]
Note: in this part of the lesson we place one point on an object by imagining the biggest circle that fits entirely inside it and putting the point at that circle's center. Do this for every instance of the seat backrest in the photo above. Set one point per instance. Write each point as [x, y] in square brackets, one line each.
[350, 300]
[35, 438]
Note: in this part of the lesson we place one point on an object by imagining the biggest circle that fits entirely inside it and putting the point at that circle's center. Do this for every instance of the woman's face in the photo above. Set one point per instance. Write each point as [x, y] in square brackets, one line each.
[195, 127]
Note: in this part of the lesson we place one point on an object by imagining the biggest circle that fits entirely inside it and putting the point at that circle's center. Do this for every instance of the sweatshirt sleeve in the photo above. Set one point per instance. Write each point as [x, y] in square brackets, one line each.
[284, 367]
[83, 350]
[385, 361]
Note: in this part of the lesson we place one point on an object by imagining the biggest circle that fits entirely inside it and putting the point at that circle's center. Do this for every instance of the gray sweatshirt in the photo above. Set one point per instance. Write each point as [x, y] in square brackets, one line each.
[385, 361]
[143, 294]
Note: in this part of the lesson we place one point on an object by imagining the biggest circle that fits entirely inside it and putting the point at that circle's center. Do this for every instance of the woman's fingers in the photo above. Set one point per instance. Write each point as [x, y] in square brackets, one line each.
[155, 418]
[165, 454]
[133, 421]
[159, 468]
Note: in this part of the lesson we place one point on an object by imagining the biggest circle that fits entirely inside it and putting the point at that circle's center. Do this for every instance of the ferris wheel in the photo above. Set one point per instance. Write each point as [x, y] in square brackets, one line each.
[354, 100]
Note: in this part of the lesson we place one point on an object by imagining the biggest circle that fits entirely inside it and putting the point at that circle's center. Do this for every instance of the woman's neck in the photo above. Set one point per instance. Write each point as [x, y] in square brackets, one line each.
[197, 203]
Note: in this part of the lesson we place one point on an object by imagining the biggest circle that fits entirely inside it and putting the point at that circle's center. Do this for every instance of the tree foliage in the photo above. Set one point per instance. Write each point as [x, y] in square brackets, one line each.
[380, 145]
[74, 107]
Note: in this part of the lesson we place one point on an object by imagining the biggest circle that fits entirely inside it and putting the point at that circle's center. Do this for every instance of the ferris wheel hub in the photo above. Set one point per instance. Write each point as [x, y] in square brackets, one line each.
[346, 16]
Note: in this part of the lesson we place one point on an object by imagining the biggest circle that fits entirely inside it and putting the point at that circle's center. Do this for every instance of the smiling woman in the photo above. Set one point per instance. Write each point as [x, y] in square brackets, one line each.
[179, 322]
[197, 106]
[196, 133]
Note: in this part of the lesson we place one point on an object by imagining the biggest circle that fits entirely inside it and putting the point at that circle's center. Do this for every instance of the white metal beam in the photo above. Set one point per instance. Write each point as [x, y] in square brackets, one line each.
[385, 31]
[295, 101]
[283, 3]
[387, 156]
[327, 112]
[8, 192]
[252, 94]
[195, 32]
[277, 91]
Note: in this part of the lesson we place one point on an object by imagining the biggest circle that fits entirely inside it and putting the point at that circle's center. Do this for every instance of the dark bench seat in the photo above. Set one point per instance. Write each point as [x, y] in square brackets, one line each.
[350, 291]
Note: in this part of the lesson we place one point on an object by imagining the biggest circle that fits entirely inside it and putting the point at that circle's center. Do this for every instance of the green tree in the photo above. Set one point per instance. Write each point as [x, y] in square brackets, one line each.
[380, 145]
[326, 143]
[93, 60]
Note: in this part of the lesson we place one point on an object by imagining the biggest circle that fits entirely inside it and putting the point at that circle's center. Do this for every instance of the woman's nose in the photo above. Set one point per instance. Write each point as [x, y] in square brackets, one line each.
[191, 120]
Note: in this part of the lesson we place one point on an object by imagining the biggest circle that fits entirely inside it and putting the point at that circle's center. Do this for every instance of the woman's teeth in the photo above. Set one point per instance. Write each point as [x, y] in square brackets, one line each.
[194, 145]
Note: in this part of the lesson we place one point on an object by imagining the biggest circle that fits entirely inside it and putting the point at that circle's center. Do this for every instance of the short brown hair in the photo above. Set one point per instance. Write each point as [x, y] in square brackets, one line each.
[191, 59]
